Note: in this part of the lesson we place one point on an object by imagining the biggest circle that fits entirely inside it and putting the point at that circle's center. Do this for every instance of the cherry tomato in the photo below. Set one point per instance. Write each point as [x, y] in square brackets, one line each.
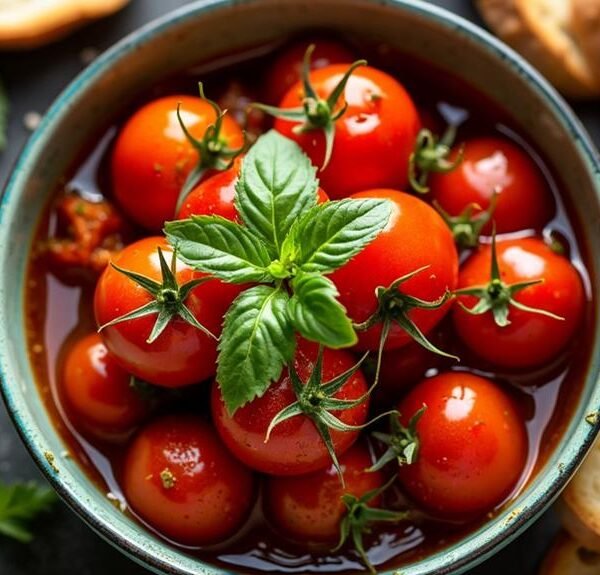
[472, 445]
[98, 392]
[310, 508]
[285, 70]
[182, 354]
[181, 480]
[295, 445]
[416, 236]
[152, 156]
[531, 339]
[373, 139]
[524, 200]
[216, 194]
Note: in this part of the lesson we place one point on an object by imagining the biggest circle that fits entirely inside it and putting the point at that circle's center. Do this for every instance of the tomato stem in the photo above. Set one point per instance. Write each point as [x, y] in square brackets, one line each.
[430, 154]
[316, 399]
[315, 113]
[359, 517]
[213, 151]
[467, 226]
[402, 442]
[498, 297]
[168, 298]
[394, 307]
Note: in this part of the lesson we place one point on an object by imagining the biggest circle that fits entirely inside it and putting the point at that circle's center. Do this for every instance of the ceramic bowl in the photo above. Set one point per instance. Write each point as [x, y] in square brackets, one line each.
[204, 31]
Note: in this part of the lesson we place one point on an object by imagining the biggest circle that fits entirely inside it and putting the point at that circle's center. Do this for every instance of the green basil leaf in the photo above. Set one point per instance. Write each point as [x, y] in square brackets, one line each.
[256, 342]
[330, 234]
[277, 184]
[3, 117]
[20, 503]
[317, 314]
[220, 247]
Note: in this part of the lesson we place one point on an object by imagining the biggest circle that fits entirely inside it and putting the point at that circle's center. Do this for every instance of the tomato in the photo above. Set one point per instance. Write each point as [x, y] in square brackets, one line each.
[182, 353]
[310, 508]
[295, 445]
[531, 339]
[286, 69]
[373, 138]
[97, 391]
[524, 200]
[415, 236]
[181, 480]
[216, 194]
[472, 445]
[152, 156]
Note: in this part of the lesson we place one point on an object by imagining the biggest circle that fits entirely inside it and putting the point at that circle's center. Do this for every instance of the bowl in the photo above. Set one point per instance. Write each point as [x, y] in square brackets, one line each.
[205, 31]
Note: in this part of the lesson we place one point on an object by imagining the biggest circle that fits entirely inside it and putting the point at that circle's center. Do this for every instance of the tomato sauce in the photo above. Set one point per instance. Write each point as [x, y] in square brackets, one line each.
[59, 311]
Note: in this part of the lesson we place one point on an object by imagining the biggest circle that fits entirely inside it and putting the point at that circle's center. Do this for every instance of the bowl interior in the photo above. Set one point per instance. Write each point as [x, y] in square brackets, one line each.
[206, 32]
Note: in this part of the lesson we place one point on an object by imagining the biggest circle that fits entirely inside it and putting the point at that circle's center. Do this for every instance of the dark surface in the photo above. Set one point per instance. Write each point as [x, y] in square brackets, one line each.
[64, 544]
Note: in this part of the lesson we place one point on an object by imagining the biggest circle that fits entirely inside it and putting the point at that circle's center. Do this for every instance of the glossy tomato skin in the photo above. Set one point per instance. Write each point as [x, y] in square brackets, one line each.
[215, 195]
[415, 236]
[152, 157]
[530, 339]
[473, 445]
[182, 354]
[98, 393]
[180, 478]
[309, 507]
[524, 200]
[286, 69]
[295, 445]
[373, 139]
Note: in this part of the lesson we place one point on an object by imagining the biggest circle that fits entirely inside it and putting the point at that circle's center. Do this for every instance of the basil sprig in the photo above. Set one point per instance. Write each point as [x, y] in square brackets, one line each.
[285, 243]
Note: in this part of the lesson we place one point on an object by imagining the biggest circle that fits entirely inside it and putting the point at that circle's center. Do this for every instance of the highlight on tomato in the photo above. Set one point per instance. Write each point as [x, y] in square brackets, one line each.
[472, 445]
[180, 478]
[159, 318]
[356, 122]
[99, 394]
[519, 304]
[164, 149]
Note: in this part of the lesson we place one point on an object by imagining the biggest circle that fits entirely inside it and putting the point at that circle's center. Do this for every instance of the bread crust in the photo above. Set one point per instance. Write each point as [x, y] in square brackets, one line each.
[579, 506]
[542, 41]
[27, 24]
[567, 557]
[586, 23]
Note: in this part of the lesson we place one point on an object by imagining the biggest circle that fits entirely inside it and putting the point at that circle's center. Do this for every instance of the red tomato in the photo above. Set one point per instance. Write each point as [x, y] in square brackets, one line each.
[373, 139]
[524, 200]
[309, 507]
[97, 391]
[415, 236]
[216, 194]
[152, 157]
[473, 445]
[286, 69]
[295, 445]
[531, 339]
[182, 354]
[181, 480]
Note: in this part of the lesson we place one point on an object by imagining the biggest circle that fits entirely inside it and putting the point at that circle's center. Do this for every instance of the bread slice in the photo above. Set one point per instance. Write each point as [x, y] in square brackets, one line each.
[542, 31]
[32, 23]
[579, 506]
[567, 557]
[586, 23]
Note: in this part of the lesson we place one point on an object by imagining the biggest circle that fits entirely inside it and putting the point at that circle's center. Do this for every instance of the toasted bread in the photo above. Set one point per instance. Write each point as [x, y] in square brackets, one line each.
[542, 31]
[567, 557]
[586, 23]
[31, 23]
[579, 506]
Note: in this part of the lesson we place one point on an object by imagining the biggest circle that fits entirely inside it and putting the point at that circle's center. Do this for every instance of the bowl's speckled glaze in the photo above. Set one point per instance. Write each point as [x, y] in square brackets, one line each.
[200, 32]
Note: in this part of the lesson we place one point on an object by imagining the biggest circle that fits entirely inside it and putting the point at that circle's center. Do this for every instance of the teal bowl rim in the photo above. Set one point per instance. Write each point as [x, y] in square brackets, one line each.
[478, 545]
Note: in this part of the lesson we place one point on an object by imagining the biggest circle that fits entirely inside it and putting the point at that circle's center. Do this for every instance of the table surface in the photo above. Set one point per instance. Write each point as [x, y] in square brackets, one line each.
[64, 545]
